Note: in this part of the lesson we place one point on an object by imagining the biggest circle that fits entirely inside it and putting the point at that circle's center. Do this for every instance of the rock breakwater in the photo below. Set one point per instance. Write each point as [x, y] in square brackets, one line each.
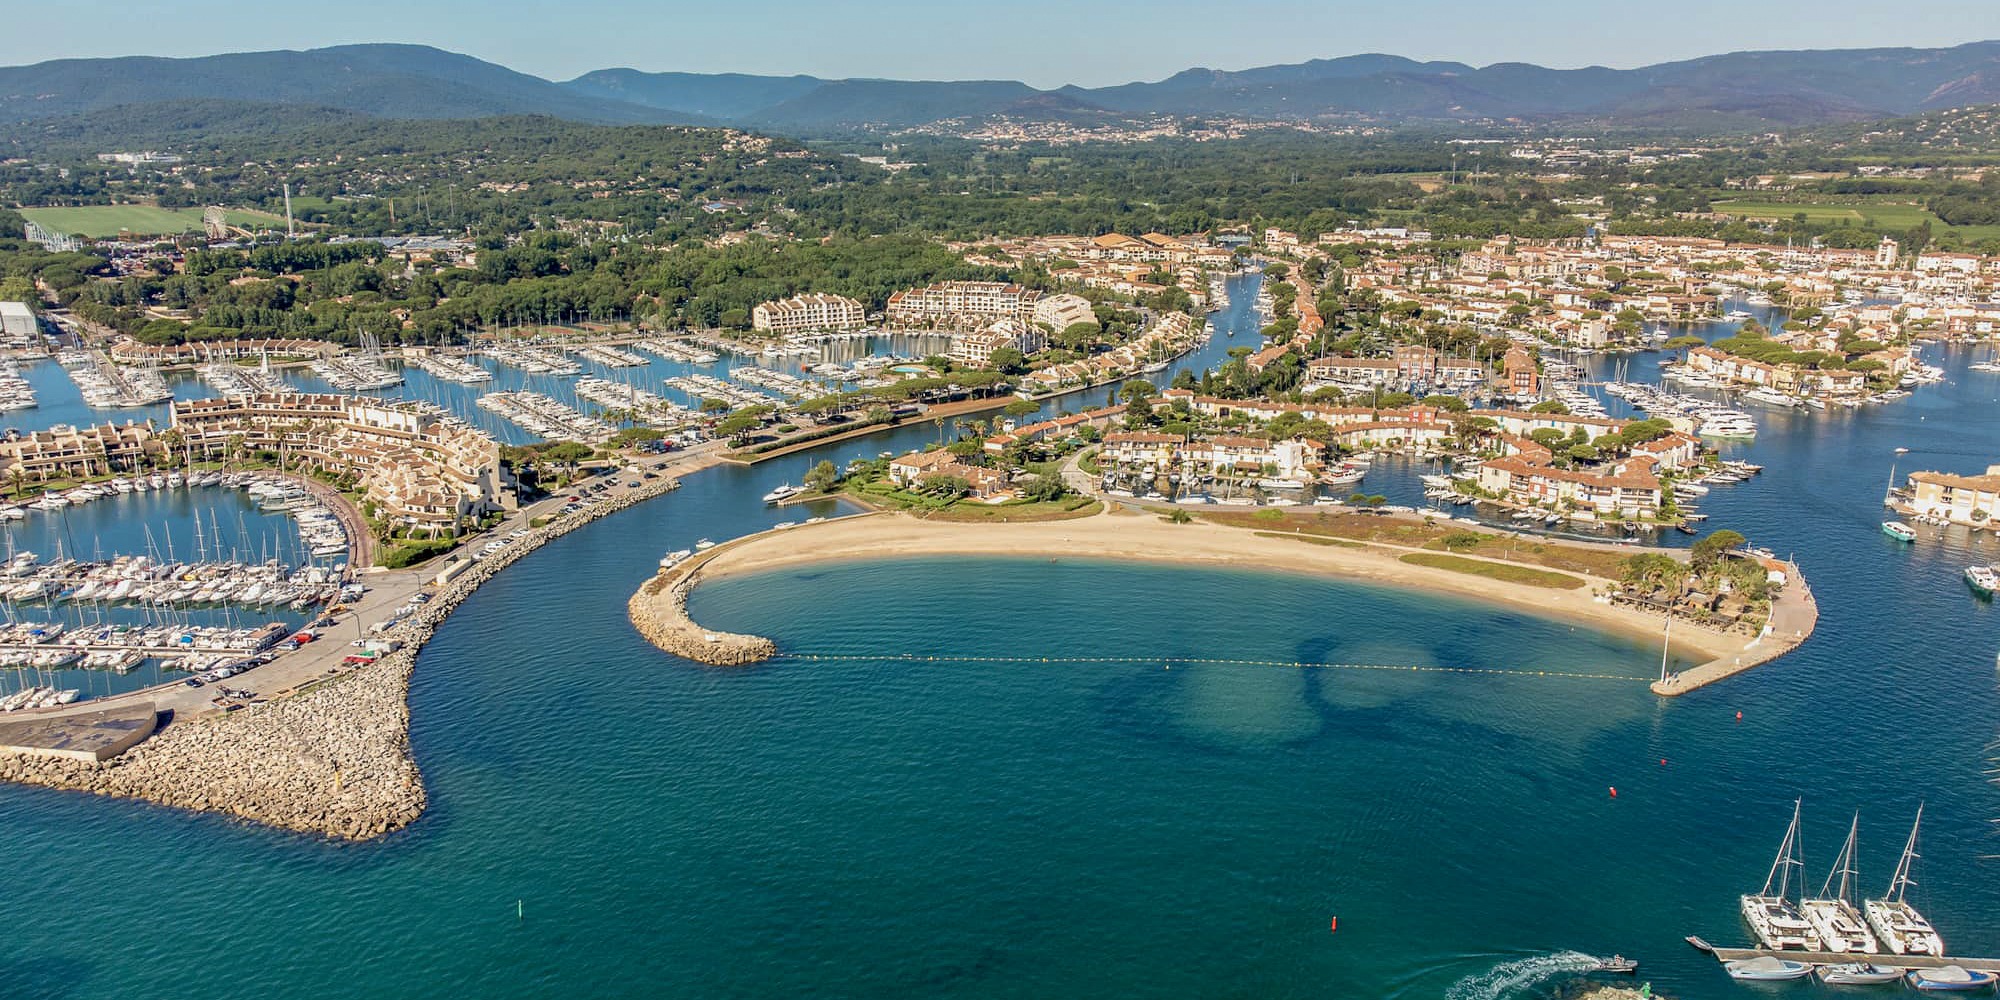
[333, 759]
[659, 612]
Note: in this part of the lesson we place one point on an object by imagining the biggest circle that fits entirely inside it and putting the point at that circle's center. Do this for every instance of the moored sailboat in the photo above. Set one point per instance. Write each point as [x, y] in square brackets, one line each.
[1902, 929]
[1832, 913]
[1771, 914]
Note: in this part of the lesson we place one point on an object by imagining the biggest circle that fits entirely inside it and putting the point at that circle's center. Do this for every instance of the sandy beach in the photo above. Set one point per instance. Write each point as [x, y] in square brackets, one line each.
[1149, 538]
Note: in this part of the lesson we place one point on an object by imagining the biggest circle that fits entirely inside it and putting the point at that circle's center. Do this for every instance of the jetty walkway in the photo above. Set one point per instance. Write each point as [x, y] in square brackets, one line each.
[1794, 615]
[1843, 958]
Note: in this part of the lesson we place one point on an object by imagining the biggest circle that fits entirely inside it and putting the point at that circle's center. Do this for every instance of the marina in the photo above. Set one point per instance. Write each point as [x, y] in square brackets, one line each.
[637, 404]
[104, 385]
[355, 374]
[544, 417]
[448, 368]
[534, 361]
[611, 357]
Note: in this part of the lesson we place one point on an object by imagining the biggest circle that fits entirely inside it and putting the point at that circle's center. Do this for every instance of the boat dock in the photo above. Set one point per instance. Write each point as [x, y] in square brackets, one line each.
[1843, 958]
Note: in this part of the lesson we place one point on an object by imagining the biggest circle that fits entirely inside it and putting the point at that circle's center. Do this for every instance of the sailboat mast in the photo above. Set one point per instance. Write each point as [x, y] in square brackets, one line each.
[1902, 880]
[1666, 644]
[1844, 866]
[1781, 866]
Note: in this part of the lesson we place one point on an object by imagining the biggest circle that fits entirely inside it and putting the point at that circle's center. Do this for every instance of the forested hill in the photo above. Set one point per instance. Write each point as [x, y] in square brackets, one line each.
[1734, 90]
[389, 81]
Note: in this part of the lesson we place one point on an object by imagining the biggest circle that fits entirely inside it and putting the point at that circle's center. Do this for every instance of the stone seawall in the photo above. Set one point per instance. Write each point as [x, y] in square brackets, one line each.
[333, 760]
[659, 612]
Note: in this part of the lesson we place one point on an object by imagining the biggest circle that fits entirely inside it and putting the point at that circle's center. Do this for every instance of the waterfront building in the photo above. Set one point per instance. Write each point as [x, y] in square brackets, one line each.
[1628, 488]
[17, 323]
[1061, 311]
[1149, 451]
[817, 311]
[131, 352]
[1522, 374]
[976, 347]
[1059, 429]
[64, 451]
[910, 471]
[965, 305]
[420, 467]
[1968, 500]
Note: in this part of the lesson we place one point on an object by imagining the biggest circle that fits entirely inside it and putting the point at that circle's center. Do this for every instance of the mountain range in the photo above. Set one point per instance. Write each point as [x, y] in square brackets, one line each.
[1739, 89]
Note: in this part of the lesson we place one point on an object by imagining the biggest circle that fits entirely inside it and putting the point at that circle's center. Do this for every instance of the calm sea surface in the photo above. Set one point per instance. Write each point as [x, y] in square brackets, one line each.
[1128, 824]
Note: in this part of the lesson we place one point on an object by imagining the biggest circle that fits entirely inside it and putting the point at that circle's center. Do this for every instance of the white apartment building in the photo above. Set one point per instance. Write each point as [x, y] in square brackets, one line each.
[1061, 311]
[967, 305]
[976, 348]
[806, 313]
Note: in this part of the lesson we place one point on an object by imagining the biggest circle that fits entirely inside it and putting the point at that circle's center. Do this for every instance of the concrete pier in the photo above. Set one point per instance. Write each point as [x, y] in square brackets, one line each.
[1842, 958]
[1794, 615]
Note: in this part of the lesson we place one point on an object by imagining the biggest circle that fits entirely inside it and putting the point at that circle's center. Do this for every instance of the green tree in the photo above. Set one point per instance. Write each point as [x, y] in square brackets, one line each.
[1709, 550]
[822, 477]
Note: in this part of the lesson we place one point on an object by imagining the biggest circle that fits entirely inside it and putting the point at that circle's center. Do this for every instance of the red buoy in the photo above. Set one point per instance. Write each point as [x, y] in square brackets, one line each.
[1663, 762]
[1614, 791]
[1739, 716]
[1333, 926]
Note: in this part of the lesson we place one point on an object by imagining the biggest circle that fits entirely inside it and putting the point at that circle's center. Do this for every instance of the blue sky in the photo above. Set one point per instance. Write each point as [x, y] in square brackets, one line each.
[1046, 43]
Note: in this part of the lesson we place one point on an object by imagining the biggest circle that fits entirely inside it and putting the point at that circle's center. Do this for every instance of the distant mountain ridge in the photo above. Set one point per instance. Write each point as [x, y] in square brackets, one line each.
[414, 81]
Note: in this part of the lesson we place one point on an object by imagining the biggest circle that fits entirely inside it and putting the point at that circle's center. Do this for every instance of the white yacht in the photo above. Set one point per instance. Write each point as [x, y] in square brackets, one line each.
[1832, 913]
[1903, 930]
[784, 492]
[1771, 914]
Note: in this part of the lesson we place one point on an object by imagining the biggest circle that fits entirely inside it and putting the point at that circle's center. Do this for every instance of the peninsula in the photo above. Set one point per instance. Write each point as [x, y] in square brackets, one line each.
[1293, 544]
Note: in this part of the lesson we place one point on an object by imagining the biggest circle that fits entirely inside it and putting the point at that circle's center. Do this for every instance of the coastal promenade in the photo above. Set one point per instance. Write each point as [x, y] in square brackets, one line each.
[314, 745]
[1143, 536]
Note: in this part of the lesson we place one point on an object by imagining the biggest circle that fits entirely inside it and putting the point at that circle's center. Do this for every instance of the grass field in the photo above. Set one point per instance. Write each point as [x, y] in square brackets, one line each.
[1495, 571]
[139, 220]
[1858, 211]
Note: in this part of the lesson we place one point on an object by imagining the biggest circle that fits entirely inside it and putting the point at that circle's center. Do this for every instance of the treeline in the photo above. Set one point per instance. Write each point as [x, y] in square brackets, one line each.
[339, 292]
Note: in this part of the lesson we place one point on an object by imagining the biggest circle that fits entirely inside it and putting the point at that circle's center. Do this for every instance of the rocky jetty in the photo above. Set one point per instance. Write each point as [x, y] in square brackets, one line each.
[332, 760]
[659, 611]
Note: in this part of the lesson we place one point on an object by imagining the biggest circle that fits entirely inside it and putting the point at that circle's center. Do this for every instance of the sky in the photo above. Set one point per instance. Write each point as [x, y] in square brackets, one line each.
[1045, 43]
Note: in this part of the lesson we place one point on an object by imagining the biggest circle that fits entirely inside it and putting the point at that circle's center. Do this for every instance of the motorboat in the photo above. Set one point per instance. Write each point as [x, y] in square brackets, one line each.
[1859, 974]
[1899, 531]
[1982, 579]
[1770, 912]
[1951, 978]
[1618, 964]
[1767, 969]
[785, 492]
[1902, 929]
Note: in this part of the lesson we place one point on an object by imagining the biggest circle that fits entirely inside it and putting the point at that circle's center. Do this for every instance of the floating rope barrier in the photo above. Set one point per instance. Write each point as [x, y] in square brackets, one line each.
[1216, 661]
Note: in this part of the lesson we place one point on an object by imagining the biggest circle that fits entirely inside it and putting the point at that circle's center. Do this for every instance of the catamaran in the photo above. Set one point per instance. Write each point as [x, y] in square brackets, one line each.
[1772, 915]
[1832, 913]
[1903, 930]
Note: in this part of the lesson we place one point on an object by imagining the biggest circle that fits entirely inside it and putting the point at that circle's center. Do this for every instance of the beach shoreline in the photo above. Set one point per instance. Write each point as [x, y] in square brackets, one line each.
[1143, 537]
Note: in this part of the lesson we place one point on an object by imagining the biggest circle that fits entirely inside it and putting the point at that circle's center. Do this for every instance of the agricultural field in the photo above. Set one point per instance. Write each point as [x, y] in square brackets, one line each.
[1855, 211]
[139, 220]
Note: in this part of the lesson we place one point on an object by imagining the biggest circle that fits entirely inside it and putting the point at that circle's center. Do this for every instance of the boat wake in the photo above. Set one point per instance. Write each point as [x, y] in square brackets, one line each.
[1508, 978]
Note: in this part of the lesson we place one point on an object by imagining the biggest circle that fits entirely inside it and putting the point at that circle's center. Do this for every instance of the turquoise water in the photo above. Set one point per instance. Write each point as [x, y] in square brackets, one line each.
[886, 826]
